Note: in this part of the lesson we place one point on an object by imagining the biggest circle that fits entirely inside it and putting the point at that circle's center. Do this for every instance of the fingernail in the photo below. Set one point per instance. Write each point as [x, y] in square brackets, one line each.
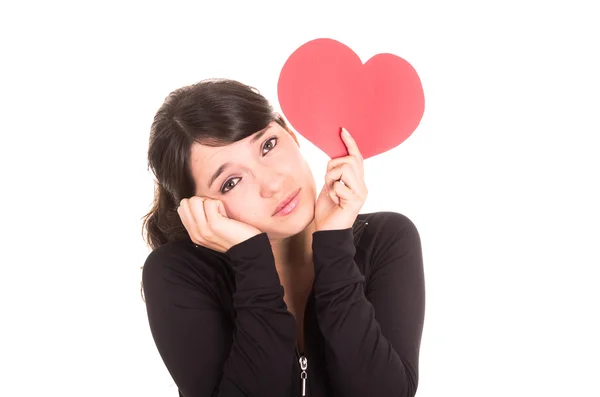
[345, 132]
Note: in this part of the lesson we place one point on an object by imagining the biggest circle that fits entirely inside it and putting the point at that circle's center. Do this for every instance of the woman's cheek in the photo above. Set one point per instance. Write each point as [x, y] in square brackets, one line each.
[236, 208]
[230, 208]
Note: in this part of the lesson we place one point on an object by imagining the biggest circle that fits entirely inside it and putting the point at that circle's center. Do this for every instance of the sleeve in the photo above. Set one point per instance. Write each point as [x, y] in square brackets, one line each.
[190, 328]
[372, 337]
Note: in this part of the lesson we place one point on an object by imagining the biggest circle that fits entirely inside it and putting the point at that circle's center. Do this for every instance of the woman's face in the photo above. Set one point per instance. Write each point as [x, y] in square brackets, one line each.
[260, 171]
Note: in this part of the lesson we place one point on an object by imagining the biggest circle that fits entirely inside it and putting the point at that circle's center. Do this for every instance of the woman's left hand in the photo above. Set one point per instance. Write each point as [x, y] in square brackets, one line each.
[338, 203]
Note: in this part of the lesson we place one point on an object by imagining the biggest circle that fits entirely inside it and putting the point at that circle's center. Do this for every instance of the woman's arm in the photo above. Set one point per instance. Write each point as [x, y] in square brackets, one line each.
[191, 330]
[372, 337]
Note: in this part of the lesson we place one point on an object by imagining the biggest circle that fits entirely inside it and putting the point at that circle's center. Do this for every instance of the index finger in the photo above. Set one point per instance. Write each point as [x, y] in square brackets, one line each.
[351, 144]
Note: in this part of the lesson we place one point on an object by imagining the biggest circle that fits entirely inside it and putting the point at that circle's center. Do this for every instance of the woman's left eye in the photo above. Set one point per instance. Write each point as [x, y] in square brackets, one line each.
[267, 143]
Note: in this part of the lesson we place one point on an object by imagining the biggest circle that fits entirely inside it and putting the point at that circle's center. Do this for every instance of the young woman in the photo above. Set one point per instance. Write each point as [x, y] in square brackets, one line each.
[256, 285]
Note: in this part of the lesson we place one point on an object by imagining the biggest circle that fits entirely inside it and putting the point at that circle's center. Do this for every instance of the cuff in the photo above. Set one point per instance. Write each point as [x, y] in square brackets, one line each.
[253, 262]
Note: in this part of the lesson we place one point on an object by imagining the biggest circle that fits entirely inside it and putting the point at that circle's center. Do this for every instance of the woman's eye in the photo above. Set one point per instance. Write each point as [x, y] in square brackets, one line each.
[267, 143]
[228, 183]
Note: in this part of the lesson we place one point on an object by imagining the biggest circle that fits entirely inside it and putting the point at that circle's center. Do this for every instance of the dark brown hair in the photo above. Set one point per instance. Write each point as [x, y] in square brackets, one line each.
[214, 112]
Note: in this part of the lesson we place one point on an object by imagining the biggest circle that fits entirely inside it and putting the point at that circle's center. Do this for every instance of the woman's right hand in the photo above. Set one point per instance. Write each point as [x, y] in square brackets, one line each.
[207, 223]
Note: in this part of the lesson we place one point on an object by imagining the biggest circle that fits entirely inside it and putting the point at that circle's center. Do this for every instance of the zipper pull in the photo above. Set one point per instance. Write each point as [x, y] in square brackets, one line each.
[303, 374]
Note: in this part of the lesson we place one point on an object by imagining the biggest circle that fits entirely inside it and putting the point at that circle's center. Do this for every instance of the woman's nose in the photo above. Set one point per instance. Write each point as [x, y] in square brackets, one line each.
[270, 181]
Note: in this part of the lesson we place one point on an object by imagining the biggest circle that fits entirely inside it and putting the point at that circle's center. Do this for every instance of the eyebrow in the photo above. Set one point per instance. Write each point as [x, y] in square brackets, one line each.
[224, 166]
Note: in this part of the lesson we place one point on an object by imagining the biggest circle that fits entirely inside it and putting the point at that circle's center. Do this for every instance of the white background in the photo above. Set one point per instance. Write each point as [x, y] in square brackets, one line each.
[501, 178]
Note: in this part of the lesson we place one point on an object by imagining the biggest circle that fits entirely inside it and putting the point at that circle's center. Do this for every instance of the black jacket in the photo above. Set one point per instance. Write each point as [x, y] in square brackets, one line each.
[222, 328]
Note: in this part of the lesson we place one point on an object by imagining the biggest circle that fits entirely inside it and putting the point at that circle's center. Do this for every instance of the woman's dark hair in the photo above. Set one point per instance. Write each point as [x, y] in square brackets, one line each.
[214, 112]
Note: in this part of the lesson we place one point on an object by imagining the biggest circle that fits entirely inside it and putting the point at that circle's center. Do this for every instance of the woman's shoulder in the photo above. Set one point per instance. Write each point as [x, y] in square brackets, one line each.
[381, 235]
[378, 227]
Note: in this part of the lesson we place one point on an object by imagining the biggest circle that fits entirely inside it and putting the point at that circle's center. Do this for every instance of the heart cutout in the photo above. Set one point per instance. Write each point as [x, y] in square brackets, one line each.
[324, 86]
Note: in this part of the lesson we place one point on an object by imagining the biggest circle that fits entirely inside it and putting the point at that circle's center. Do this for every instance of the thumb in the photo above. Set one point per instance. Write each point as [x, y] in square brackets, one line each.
[221, 209]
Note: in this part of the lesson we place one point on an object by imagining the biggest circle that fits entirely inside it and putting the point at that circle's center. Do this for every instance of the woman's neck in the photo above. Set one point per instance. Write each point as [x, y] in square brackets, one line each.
[295, 252]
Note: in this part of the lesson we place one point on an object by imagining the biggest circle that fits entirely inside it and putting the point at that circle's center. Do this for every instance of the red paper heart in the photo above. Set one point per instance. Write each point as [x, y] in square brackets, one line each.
[324, 86]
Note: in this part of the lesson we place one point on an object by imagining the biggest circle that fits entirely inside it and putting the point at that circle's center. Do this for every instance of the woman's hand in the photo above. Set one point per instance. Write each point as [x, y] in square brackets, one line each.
[338, 203]
[207, 223]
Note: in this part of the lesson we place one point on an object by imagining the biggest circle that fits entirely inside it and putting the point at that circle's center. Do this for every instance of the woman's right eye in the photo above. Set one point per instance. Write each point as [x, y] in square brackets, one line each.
[223, 191]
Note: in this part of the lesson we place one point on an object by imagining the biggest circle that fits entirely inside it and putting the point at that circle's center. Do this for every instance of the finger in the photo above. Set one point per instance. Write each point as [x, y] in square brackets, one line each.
[344, 173]
[333, 196]
[351, 160]
[214, 209]
[213, 216]
[183, 211]
[185, 214]
[222, 210]
[343, 192]
[197, 212]
[351, 144]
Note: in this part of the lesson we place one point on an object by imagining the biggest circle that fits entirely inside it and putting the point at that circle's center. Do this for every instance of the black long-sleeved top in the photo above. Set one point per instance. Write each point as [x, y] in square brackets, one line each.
[222, 328]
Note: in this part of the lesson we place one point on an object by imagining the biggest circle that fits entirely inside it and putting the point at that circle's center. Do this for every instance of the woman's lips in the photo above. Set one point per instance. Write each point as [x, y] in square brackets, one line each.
[291, 204]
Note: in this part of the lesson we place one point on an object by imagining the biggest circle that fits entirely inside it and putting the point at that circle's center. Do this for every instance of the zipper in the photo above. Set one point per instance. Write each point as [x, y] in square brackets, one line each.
[303, 374]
